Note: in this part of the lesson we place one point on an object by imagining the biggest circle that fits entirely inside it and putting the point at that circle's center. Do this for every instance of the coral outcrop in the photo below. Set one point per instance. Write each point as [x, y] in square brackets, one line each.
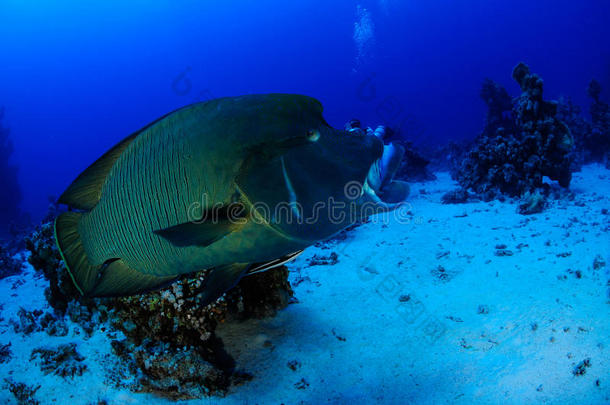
[5, 353]
[571, 115]
[598, 141]
[499, 108]
[37, 321]
[62, 360]
[45, 257]
[170, 346]
[9, 265]
[23, 393]
[518, 148]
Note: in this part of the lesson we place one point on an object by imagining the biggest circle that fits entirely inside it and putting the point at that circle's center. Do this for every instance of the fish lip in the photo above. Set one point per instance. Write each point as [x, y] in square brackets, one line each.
[372, 196]
[368, 193]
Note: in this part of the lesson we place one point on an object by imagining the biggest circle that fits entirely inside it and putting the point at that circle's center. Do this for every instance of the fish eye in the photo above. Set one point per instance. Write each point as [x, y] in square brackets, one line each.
[313, 135]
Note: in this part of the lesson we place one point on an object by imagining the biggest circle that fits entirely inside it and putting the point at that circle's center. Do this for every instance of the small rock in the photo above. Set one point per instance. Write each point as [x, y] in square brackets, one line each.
[294, 365]
[598, 262]
[503, 252]
[339, 337]
[581, 368]
[482, 309]
[302, 384]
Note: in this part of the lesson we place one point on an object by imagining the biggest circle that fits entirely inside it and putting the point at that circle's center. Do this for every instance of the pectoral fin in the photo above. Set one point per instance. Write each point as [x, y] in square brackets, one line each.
[220, 280]
[193, 234]
[215, 225]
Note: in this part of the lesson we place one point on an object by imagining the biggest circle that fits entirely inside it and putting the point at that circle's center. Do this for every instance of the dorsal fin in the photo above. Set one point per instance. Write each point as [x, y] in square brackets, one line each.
[85, 192]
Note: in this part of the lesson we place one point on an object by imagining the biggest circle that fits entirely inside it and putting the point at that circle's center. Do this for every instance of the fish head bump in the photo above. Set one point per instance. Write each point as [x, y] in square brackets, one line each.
[308, 180]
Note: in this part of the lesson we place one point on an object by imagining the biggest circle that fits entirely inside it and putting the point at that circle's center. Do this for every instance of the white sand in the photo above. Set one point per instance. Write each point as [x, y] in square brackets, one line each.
[355, 341]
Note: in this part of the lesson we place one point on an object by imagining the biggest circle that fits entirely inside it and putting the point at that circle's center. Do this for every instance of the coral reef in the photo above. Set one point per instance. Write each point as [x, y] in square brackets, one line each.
[598, 141]
[449, 157]
[37, 321]
[414, 166]
[457, 196]
[45, 257]
[532, 203]
[11, 193]
[24, 394]
[5, 353]
[499, 108]
[9, 266]
[517, 150]
[176, 374]
[62, 360]
[27, 321]
[571, 115]
[170, 346]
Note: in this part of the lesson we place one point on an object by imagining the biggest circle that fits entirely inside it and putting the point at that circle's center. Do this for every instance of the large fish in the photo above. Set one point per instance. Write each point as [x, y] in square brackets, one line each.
[234, 185]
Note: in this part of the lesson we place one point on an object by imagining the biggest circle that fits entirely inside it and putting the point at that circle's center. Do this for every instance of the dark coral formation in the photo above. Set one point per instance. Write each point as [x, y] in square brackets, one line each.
[457, 196]
[28, 321]
[598, 141]
[499, 108]
[62, 360]
[24, 394]
[571, 115]
[37, 321]
[173, 373]
[524, 146]
[5, 353]
[170, 346]
[9, 266]
[414, 166]
[11, 193]
[532, 203]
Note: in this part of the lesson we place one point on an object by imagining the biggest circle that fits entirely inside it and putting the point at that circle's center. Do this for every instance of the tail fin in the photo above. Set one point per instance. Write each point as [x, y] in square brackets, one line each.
[83, 274]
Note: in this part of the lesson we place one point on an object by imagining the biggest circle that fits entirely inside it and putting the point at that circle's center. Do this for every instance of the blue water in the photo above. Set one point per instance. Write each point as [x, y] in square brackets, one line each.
[76, 77]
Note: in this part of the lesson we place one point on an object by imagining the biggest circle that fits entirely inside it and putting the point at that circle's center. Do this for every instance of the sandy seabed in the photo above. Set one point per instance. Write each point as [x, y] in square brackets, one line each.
[469, 303]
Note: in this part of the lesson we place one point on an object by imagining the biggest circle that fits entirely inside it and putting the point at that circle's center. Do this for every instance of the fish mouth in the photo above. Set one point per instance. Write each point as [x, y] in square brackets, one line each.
[379, 187]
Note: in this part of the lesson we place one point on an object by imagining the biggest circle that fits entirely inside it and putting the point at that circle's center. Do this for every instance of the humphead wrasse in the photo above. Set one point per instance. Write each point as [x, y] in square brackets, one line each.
[234, 185]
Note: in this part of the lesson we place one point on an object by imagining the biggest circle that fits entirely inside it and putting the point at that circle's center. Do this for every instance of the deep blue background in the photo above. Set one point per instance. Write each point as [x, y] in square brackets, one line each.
[76, 77]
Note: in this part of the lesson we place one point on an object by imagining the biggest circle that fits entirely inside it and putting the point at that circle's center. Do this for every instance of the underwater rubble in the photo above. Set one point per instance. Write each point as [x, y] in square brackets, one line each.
[523, 142]
[164, 340]
[23, 393]
[9, 265]
[63, 360]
